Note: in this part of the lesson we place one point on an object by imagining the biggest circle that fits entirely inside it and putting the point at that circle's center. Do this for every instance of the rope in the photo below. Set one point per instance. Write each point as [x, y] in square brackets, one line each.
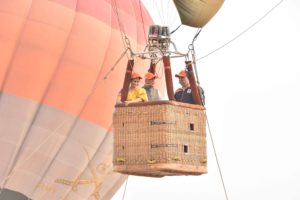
[142, 21]
[173, 15]
[196, 35]
[175, 29]
[163, 15]
[243, 32]
[192, 50]
[215, 153]
[210, 133]
[113, 67]
[125, 188]
[114, 6]
[168, 11]
[158, 11]
[126, 41]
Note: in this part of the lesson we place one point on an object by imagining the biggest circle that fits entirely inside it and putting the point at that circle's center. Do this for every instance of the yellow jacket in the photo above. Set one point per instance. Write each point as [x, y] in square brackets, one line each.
[137, 93]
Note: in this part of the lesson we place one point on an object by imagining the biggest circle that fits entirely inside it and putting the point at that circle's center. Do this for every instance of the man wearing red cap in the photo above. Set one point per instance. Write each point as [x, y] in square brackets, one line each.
[184, 94]
[152, 93]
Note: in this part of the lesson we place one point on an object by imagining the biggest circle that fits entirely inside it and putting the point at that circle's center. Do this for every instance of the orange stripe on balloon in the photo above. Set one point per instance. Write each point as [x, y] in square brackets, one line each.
[35, 61]
[57, 59]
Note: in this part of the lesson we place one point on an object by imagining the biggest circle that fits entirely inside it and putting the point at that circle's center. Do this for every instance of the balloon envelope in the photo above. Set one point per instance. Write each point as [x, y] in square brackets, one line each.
[197, 13]
[55, 104]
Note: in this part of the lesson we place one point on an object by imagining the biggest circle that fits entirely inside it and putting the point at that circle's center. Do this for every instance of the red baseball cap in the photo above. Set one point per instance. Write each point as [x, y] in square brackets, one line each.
[182, 73]
[135, 75]
[150, 76]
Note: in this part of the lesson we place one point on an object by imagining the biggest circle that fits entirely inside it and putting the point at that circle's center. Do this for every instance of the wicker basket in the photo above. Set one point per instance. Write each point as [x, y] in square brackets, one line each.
[162, 138]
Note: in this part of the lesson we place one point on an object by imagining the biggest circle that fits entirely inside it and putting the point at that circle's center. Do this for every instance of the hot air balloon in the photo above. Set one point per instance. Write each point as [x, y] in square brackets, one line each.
[56, 100]
[60, 72]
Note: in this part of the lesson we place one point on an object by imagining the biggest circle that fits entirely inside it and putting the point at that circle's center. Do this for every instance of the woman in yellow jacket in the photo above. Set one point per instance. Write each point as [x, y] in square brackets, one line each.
[135, 93]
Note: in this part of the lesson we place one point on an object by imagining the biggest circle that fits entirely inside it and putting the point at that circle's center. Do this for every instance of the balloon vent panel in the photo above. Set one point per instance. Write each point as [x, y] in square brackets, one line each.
[158, 139]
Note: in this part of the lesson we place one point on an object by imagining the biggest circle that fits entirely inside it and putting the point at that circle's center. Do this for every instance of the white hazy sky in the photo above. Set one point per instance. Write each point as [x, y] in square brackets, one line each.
[252, 88]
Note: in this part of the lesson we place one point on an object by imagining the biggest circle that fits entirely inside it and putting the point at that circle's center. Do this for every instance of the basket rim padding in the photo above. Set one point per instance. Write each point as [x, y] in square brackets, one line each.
[161, 102]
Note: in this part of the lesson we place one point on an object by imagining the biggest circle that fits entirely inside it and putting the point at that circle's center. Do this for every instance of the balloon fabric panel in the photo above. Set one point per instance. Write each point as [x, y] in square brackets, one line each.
[55, 106]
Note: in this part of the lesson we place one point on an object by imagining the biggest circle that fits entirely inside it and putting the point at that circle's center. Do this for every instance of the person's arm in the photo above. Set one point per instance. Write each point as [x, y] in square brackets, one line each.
[201, 92]
[119, 98]
[142, 95]
[135, 100]
[177, 96]
[158, 95]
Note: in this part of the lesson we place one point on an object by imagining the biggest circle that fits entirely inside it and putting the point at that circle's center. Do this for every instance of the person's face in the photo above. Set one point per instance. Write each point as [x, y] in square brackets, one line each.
[149, 82]
[184, 81]
[135, 83]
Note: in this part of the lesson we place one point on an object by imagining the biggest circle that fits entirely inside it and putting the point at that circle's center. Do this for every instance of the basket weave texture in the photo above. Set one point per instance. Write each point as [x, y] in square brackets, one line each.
[160, 139]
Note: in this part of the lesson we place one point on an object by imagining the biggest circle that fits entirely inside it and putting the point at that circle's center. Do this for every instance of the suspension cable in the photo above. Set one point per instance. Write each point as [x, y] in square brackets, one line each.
[125, 188]
[192, 50]
[114, 6]
[193, 53]
[162, 11]
[210, 133]
[114, 65]
[196, 35]
[159, 11]
[175, 29]
[142, 21]
[243, 32]
[126, 41]
[216, 156]
[168, 11]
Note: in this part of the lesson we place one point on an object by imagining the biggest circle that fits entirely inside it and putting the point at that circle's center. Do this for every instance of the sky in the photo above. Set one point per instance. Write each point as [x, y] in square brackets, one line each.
[252, 89]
